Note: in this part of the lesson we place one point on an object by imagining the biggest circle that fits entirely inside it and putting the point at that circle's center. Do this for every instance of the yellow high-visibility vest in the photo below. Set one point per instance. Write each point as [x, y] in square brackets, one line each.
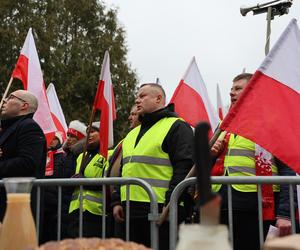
[147, 161]
[240, 161]
[92, 200]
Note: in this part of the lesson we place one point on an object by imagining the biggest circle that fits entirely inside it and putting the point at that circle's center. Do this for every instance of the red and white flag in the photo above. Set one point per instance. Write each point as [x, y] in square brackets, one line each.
[191, 98]
[56, 110]
[267, 111]
[28, 70]
[220, 104]
[105, 102]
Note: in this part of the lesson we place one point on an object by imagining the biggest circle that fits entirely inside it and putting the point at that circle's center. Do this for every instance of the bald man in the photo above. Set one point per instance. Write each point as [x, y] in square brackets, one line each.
[158, 151]
[22, 141]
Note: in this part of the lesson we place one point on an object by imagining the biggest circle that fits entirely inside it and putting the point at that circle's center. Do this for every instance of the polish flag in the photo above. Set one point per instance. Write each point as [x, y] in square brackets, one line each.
[219, 104]
[28, 70]
[191, 98]
[104, 101]
[267, 111]
[56, 111]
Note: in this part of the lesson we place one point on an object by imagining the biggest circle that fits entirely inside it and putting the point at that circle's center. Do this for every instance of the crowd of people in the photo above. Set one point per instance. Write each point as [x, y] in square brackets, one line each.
[158, 149]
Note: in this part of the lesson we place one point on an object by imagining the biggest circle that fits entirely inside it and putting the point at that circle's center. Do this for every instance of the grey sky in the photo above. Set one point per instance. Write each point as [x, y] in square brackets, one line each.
[164, 35]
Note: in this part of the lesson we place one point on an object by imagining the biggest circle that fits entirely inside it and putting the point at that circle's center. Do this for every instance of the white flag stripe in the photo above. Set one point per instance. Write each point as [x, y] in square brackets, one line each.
[35, 84]
[55, 106]
[283, 64]
[219, 99]
[106, 77]
[194, 79]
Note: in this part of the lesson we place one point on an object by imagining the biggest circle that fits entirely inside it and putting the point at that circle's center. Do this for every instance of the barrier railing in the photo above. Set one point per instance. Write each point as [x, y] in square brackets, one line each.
[104, 182]
[226, 180]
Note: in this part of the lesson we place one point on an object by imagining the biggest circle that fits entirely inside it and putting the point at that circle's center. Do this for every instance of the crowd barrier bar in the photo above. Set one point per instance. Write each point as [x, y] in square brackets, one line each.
[104, 182]
[259, 180]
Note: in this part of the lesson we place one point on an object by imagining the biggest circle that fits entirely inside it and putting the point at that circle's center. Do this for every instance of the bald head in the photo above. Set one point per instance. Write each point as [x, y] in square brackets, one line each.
[20, 102]
[29, 98]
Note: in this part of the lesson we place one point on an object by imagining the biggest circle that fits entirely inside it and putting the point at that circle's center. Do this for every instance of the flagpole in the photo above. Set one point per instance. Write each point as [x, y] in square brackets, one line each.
[84, 153]
[6, 91]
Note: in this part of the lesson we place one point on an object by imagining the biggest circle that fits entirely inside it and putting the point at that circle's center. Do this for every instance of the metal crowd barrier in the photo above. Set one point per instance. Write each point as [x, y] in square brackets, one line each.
[104, 182]
[259, 180]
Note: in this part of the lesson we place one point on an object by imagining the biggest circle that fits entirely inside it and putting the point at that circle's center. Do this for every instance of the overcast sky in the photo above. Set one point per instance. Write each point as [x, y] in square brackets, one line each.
[163, 35]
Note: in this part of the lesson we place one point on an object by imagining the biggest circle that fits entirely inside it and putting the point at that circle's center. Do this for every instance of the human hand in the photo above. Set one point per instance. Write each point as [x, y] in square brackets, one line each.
[284, 226]
[118, 213]
[217, 148]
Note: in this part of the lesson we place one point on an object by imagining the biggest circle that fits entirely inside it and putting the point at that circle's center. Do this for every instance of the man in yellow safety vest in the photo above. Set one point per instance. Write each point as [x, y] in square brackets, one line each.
[158, 151]
[238, 156]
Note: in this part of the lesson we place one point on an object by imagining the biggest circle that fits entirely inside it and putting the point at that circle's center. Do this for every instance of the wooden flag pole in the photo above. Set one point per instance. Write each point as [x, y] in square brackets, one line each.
[84, 154]
[6, 91]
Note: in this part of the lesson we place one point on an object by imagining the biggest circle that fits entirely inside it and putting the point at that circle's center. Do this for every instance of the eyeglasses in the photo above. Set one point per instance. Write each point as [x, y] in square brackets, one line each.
[11, 96]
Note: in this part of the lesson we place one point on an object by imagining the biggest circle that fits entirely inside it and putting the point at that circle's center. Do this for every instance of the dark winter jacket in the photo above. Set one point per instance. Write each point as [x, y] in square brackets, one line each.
[178, 143]
[24, 149]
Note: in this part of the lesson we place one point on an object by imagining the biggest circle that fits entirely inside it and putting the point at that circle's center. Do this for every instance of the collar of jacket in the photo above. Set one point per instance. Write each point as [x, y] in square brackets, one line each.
[8, 122]
[151, 118]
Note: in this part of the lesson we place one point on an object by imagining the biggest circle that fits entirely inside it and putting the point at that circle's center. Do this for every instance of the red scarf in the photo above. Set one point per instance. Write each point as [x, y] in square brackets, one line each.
[264, 168]
[50, 161]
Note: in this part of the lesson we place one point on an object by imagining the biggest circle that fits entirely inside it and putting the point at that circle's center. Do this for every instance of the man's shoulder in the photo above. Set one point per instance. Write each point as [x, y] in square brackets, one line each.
[30, 128]
[30, 123]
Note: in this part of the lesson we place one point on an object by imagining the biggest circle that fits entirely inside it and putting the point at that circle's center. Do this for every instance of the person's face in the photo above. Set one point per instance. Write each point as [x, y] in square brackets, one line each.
[133, 118]
[54, 142]
[147, 100]
[93, 138]
[71, 140]
[236, 90]
[13, 105]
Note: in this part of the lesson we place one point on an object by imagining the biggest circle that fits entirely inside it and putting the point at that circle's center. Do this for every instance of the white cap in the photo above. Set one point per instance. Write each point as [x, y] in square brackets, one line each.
[77, 129]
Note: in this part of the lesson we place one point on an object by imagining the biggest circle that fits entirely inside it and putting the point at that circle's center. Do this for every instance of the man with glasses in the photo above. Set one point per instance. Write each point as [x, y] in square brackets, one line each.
[22, 141]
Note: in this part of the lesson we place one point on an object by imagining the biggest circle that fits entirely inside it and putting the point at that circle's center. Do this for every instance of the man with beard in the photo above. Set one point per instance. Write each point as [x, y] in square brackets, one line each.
[92, 167]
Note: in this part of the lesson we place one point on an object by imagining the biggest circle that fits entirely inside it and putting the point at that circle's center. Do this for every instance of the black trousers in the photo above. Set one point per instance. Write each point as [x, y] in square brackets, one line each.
[139, 232]
[139, 228]
[245, 229]
[91, 225]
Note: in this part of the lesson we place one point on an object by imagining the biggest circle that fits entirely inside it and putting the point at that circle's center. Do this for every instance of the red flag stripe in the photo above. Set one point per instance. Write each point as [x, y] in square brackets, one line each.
[189, 104]
[220, 111]
[21, 70]
[104, 128]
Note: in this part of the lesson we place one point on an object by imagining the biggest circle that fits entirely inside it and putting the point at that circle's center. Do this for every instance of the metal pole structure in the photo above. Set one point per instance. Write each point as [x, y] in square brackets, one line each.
[273, 8]
[269, 19]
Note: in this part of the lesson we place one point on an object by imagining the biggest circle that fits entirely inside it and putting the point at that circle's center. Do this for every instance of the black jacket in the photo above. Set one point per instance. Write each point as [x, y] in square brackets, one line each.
[24, 151]
[178, 144]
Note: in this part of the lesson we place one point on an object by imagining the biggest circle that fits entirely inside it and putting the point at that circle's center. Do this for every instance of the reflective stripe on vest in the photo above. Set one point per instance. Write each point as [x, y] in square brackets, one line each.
[147, 161]
[86, 197]
[91, 200]
[240, 161]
